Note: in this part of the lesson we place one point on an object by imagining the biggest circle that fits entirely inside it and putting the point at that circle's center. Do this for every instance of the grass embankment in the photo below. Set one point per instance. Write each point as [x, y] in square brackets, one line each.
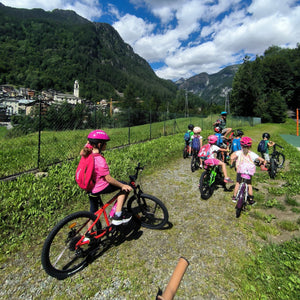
[20, 154]
[31, 205]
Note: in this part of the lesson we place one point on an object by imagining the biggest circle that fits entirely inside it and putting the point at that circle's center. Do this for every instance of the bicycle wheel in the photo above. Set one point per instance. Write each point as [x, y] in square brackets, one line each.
[185, 152]
[149, 210]
[60, 256]
[280, 159]
[272, 168]
[240, 200]
[206, 190]
[193, 163]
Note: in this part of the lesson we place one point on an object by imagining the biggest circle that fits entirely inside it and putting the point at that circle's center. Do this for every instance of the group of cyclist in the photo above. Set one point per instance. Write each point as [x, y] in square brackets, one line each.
[240, 155]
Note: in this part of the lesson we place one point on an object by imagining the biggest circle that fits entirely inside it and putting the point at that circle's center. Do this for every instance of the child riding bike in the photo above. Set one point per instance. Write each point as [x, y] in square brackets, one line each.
[245, 164]
[197, 143]
[188, 137]
[221, 123]
[213, 149]
[104, 182]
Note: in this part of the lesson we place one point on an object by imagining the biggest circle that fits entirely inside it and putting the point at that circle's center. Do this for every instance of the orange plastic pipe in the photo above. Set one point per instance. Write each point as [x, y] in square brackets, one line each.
[175, 280]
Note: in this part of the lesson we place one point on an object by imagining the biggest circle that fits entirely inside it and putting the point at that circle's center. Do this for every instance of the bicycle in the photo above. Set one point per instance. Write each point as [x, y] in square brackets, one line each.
[73, 241]
[242, 195]
[209, 179]
[195, 162]
[186, 151]
[277, 160]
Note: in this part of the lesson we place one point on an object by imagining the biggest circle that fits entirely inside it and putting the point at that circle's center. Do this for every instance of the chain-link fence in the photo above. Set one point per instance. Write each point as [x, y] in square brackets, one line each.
[52, 135]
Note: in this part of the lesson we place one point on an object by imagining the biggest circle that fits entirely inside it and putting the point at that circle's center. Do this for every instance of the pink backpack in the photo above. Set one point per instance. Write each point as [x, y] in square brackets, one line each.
[204, 151]
[84, 172]
[245, 165]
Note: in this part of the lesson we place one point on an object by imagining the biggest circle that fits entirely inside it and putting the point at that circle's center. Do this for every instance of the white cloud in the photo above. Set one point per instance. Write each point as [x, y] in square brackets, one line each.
[89, 9]
[132, 28]
[192, 36]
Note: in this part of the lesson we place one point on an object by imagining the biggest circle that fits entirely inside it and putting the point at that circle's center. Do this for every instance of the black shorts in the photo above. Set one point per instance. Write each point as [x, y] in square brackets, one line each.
[239, 179]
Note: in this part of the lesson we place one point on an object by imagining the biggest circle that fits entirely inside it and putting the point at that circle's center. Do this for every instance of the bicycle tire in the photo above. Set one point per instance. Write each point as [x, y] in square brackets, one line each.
[193, 163]
[185, 152]
[149, 210]
[206, 190]
[59, 257]
[272, 168]
[280, 158]
[240, 200]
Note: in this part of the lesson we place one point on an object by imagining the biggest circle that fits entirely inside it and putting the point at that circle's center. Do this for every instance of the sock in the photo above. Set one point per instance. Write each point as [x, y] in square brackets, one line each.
[118, 214]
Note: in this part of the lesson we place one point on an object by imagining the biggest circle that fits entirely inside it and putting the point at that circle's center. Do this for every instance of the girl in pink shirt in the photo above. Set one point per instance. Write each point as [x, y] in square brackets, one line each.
[104, 182]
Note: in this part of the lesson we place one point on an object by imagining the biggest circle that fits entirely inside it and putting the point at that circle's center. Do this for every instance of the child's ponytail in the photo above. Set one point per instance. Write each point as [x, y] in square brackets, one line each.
[86, 150]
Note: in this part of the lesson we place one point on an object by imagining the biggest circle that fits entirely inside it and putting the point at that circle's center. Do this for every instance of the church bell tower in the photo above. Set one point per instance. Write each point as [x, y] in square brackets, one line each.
[76, 89]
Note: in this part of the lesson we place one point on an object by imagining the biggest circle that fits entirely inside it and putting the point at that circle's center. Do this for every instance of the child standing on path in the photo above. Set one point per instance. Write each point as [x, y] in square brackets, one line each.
[189, 141]
[243, 157]
[104, 183]
[236, 142]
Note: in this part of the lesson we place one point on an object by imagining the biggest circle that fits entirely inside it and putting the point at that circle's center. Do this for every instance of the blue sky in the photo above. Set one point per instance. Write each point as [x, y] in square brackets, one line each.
[182, 38]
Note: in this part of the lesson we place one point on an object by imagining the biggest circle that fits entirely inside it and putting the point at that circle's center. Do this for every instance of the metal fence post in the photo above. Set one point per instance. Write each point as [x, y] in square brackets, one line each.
[39, 141]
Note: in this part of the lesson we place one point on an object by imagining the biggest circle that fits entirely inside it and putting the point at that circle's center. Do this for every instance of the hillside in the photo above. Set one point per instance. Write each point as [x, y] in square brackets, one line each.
[212, 88]
[44, 50]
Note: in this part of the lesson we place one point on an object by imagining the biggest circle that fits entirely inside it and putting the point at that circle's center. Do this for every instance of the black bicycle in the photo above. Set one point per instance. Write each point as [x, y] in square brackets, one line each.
[277, 160]
[195, 162]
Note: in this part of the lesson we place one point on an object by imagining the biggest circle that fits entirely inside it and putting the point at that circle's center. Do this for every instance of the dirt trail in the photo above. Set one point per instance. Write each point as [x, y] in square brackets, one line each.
[205, 232]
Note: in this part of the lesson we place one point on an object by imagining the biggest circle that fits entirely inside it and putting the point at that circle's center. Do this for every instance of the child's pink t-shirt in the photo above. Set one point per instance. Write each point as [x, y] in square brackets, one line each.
[101, 169]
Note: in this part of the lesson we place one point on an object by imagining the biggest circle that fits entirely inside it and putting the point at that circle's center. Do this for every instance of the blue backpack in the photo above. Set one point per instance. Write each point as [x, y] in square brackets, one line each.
[187, 136]
[236, 145]
[262, 146]
[220, 140]
[196, 144]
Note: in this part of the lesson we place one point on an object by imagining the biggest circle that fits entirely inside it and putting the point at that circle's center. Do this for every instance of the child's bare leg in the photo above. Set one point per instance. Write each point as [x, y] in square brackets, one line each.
[120, 201]
[223, 168]
[236, 188]
[250, 190]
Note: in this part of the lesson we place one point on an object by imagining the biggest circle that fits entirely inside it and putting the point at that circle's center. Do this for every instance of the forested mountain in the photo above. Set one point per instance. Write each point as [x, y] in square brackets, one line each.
[269, 85]
[42, 50]
[212, 88]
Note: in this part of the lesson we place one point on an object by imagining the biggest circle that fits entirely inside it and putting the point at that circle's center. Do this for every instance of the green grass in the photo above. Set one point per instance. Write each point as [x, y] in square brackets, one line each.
[30, 206]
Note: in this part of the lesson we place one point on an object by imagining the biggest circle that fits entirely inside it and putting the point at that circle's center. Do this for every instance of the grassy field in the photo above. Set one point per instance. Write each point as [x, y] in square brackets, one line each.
[30, 205]
[20, 154]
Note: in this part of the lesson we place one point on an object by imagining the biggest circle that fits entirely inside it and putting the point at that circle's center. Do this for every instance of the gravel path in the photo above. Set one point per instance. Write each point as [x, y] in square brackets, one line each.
[205, 232]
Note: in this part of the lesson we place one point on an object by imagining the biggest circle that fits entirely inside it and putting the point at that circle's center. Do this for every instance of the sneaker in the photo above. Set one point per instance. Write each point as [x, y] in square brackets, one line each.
[228, 180]
[233, 199]
[86, 239]
[201, 166]
[124, 218]
[251, 202]
[263, 168]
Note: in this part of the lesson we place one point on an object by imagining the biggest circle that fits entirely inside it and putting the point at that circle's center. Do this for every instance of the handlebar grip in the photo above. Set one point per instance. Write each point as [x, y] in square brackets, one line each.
[175, 280]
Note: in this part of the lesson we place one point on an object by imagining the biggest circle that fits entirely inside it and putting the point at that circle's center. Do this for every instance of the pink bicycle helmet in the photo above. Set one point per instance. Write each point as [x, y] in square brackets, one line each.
[212, 139]
[98, 134]
[246, 141]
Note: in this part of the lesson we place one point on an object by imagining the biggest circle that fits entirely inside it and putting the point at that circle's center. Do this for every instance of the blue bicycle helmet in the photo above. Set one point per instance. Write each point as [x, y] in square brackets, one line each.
[224, 113]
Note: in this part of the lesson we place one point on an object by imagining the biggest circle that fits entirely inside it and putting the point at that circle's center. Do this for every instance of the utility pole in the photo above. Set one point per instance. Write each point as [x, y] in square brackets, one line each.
[227, 107]
[186, 105]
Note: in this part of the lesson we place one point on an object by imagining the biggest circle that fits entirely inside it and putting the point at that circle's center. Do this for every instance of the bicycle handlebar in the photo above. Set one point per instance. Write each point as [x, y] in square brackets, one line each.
[175, 280]
[135, 176]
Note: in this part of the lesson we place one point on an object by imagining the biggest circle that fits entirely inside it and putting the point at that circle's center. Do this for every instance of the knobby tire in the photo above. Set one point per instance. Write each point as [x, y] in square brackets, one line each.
[272, 168]
[148, 210]
[241, 201]
[59, 257]
[280, 158]
[206, 190]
